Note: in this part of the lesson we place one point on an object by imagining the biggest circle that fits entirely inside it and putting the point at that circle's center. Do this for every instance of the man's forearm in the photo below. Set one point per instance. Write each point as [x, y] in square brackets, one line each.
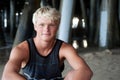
[78, 75]
[12, 76]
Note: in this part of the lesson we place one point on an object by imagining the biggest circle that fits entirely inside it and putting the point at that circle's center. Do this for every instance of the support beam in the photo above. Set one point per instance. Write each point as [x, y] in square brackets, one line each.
[12, 20]
[65, 26]
[103, 24]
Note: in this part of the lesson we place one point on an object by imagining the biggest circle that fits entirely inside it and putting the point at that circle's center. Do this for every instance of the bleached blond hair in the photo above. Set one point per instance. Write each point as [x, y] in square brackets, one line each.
[47, 12]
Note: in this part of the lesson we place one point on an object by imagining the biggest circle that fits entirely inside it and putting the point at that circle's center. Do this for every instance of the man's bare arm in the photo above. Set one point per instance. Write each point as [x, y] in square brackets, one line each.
[81, 70]
[13, 66]
[11, 72]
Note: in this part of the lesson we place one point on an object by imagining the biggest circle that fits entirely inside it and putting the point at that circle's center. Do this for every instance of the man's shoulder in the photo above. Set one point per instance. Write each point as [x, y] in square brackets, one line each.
[67, 48]
[21, 47]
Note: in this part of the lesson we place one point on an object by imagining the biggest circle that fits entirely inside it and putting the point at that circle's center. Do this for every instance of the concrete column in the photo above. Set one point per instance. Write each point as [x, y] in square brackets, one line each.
[65, 26]
[103, 24]
[12, 13]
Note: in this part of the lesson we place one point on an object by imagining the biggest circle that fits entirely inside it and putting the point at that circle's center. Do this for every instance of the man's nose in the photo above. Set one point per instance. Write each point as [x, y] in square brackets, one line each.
[46, 28]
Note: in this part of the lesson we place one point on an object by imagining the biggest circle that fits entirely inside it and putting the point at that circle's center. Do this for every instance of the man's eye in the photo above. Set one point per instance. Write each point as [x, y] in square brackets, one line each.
[52, 25]
[41, 24]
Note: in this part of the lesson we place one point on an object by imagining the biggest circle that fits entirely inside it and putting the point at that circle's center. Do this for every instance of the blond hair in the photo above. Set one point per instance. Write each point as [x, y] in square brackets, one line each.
[48, 12]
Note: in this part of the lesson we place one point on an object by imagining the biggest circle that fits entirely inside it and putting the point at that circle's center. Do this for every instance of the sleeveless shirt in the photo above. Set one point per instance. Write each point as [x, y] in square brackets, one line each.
[43, 67]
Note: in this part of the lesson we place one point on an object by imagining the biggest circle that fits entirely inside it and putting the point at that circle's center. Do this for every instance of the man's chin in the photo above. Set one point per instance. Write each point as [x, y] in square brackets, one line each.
[47, 39]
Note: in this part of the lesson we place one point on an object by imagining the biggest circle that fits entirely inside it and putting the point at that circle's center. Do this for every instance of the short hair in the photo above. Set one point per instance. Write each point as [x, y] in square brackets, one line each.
[47, 12]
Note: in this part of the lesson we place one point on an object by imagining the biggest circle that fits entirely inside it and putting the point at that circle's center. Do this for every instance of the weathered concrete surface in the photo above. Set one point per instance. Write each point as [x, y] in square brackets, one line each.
[105, 64]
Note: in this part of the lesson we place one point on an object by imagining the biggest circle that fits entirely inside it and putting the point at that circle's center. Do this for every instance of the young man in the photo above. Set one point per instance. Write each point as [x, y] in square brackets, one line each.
[42, 57]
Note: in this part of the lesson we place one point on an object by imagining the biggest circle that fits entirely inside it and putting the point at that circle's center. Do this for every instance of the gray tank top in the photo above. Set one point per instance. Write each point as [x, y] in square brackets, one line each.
[43, 67]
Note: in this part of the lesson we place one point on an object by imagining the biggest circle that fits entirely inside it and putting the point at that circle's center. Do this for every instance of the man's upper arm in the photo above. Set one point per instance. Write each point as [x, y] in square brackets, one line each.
[15, 60]
[73, 58]
[13, 65]
[77, 63]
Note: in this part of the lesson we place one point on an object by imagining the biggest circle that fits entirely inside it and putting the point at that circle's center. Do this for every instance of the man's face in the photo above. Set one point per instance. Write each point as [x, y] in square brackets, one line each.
[45, 28]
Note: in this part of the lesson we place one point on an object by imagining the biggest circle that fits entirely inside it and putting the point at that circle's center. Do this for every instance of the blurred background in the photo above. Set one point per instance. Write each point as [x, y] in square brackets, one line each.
[88, 25]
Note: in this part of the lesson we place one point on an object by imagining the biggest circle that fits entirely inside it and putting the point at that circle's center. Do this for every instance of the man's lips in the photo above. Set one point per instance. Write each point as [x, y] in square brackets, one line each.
[46, 34]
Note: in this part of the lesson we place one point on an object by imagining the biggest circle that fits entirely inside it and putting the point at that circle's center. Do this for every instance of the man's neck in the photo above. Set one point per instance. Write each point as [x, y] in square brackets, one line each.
[44, 47]
[43, 43]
